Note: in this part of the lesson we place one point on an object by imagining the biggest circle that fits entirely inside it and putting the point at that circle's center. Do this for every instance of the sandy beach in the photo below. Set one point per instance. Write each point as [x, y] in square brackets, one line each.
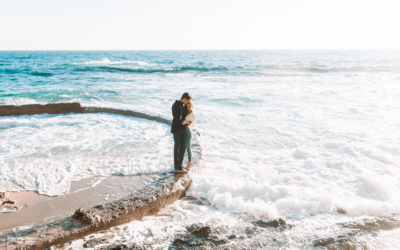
[27, 208]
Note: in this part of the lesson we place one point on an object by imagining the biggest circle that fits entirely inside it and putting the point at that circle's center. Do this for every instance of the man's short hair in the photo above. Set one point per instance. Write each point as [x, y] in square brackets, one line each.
[186, 96]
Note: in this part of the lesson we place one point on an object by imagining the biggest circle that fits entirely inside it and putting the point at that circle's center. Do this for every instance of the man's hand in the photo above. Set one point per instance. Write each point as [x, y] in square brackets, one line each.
[185, 122]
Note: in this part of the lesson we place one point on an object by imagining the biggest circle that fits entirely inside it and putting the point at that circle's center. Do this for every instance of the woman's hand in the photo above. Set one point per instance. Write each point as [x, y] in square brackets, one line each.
[185, 122]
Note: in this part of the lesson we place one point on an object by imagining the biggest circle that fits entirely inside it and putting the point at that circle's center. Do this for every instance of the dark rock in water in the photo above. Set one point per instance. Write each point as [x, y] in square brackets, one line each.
[199, 201]
[278, 224]
[200, 232]
[120, 247]
[197, 236]
[373, 224]
[250, 230]
[124, 247]
[341, 210]
[97, 241]
[339, 242]
[231, 237]
[350, 239]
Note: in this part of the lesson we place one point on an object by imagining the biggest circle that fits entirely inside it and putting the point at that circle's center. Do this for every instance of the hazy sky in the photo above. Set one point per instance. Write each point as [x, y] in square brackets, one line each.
[200, 24]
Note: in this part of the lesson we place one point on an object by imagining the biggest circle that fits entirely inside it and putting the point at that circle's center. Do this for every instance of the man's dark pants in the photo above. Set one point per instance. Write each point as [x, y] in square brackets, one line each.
[179, 148]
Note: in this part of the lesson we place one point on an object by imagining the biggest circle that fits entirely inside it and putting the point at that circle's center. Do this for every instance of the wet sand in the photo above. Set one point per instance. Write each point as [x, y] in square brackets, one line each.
[14, 201]
[25, 198]
[35, 209]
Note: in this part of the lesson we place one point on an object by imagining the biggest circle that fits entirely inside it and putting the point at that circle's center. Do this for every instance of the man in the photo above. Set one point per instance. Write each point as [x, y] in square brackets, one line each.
[178, 113]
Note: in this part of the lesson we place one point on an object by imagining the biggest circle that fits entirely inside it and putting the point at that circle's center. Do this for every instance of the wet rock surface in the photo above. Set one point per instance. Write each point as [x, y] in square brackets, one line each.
[197, 236]
[31, 109]
[86, 217]
[278, 224]
[355, 229]
[75, 107]
[96, 241]
[122, 247]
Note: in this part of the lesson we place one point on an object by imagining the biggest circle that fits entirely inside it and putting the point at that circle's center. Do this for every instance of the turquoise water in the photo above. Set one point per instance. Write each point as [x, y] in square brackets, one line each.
[296, 135]
[65, 76]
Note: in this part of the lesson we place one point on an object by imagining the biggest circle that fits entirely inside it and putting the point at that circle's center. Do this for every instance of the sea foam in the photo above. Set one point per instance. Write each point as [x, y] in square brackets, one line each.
[318, 147]
[45, 152]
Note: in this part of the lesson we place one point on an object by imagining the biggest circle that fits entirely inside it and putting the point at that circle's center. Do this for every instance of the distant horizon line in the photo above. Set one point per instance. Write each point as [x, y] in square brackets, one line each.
[371, 49]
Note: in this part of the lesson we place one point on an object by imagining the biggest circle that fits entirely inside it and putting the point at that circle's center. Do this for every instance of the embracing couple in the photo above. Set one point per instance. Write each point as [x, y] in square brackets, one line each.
[182, 122]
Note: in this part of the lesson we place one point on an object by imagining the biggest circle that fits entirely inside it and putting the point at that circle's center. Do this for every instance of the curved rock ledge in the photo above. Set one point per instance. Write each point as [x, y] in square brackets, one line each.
[165, 190]
[75, 107]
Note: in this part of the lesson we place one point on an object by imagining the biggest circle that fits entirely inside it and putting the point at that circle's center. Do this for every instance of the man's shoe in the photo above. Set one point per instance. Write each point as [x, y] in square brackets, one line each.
[180, 171]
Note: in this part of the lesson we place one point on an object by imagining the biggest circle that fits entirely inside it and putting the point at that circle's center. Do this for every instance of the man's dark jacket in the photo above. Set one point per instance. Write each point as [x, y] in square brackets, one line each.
[178, 113]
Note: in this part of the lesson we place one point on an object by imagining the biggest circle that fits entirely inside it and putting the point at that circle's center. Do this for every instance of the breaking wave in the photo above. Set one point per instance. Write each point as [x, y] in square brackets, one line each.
[24, 71]
[322, 68]
[141, 67]
[150, 70]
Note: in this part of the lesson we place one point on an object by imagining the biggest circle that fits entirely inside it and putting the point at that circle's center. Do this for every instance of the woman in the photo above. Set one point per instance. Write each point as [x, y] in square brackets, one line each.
[189, 123]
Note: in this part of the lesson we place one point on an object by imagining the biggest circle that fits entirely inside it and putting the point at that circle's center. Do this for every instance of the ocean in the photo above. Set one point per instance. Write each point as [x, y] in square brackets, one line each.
[302, 148]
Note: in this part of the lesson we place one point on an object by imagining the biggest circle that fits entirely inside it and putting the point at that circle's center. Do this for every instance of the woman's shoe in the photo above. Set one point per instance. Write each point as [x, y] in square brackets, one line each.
[189, 165]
